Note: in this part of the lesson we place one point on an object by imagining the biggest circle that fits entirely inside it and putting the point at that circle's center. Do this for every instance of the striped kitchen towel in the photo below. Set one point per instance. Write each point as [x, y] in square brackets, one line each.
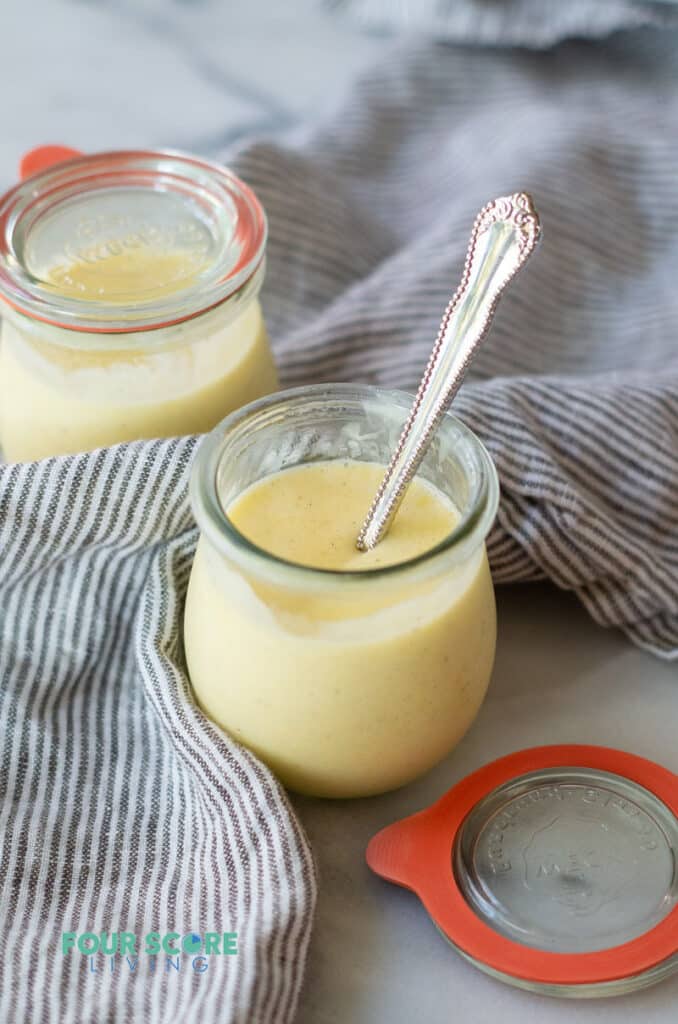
[575, 391]
[122, 808]
[534, 23]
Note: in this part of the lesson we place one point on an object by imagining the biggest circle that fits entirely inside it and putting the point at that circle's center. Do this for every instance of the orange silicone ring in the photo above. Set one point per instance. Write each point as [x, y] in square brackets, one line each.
[417, 853]
[42, 157]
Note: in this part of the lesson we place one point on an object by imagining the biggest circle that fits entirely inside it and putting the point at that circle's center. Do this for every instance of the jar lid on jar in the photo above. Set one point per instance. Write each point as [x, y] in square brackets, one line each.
[552, 869]
[126, 240]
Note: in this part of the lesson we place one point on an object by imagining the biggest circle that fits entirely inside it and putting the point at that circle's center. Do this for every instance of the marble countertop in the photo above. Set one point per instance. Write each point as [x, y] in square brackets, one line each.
[376, 957]
[187, 74]
[197, 76]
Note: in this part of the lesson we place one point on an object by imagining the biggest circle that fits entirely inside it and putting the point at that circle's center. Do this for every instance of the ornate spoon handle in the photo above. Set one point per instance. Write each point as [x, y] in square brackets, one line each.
[504, 235]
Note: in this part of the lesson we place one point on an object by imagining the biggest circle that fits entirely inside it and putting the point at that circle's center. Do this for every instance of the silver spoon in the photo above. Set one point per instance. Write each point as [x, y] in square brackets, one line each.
[504, 235]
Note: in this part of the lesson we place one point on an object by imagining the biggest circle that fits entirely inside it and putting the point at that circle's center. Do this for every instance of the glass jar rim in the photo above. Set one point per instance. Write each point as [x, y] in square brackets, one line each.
[223, 213]
[222, 533]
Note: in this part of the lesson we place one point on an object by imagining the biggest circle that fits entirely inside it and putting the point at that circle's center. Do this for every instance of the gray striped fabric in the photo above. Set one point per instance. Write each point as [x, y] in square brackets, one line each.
[575, 391]
[535, 23]
[122, 807]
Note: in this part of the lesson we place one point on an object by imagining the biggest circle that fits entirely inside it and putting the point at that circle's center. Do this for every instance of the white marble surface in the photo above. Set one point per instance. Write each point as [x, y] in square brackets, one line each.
[376, 956]
[197, 75]
[187, 74]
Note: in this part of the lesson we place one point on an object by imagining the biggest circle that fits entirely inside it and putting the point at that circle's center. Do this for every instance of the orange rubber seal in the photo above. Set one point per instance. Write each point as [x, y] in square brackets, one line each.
[42, 157]
[417, 853]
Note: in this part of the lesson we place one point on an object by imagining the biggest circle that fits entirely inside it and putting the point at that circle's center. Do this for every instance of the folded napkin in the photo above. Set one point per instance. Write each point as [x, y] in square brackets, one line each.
[123, 808]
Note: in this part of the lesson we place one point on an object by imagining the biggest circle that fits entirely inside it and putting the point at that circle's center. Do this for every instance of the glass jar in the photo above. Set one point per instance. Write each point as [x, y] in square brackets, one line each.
[130, 283]
[345, 683]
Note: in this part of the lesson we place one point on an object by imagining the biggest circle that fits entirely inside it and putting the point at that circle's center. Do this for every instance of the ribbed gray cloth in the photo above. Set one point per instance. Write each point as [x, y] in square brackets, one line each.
[122, 806]
[575, 391]
[534, 23]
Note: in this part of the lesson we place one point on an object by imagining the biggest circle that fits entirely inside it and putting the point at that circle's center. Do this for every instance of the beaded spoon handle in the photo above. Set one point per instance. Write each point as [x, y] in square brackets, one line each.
[504, 235]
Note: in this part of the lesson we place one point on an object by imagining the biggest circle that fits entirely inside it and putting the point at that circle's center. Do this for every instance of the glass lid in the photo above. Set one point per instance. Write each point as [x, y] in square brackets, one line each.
[571, 860]
[553, 869]
[127, 241]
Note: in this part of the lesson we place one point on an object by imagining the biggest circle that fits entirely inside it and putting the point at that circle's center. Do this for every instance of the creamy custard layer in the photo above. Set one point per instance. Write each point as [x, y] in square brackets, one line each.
[346, 686]
[62, 391]
[312, 514]
[126, 274]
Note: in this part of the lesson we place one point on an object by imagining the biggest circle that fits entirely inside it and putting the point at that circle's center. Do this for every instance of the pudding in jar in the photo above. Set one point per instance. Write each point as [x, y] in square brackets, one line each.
[131, 311]
[348, 673]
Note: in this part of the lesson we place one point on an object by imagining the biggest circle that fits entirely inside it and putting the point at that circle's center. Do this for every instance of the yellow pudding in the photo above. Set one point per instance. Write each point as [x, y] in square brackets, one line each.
[129, 285]
[349, 682]
[118, 274]
[311, 515]
[178, 380]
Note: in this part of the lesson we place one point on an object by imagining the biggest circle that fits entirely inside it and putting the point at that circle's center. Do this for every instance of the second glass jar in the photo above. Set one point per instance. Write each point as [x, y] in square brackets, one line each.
[131, 284]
